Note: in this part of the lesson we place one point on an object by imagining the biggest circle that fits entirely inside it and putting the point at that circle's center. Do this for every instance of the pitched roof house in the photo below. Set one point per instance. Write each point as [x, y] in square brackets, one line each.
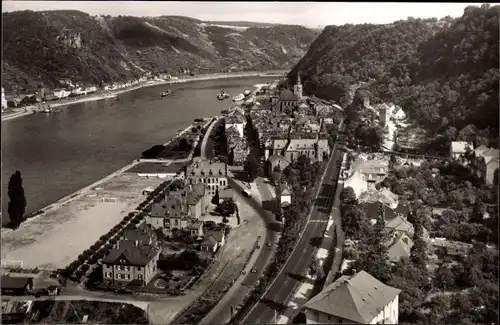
[401, 225]
[360, 299]
[459, 148]
[384, 196]
[16, 285]
[489, 161]
[211, 172]
[131, 260]
[399, 247]
[357, 182]
[214, 239]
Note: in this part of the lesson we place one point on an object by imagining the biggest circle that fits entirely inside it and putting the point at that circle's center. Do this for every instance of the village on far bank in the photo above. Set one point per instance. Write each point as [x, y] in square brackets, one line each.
[168, 225]
[68, 89]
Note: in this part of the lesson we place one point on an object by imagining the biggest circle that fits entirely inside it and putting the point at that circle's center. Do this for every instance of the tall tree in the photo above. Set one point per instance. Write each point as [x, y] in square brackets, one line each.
[17, 203]
[215, 198]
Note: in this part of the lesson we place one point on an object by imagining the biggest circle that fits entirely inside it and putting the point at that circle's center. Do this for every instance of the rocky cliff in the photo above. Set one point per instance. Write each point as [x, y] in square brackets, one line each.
[47, 46]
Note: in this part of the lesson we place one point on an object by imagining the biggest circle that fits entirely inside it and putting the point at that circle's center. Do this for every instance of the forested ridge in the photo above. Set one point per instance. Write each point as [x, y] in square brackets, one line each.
[46, 46]
[444, 73]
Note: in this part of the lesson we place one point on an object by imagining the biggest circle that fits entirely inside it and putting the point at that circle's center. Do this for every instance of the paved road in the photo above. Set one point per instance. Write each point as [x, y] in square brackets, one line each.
[206, 151]
[244, 284]
[221, 314]
[274, 301]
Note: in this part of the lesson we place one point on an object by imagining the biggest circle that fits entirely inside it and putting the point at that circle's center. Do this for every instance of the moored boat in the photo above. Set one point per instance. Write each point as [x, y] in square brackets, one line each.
[222, 95]
[165, 93]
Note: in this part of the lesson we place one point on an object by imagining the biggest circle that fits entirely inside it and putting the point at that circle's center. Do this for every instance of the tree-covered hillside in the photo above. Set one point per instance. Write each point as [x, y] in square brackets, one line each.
[46, 46]
[444, 73]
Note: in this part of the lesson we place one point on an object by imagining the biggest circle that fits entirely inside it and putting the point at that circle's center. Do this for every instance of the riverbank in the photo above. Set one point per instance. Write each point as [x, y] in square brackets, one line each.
[68, 198]
[28, 110]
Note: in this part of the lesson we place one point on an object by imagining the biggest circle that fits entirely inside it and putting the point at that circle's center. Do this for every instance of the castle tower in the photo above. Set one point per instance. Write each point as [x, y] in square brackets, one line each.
[297, 88]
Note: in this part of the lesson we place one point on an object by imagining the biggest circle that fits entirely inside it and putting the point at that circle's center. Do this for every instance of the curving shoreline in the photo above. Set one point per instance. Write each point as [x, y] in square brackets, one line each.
[74, 195]
[28, 110]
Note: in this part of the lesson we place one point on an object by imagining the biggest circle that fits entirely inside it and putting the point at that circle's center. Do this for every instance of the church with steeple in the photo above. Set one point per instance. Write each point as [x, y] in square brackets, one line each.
[297, 88]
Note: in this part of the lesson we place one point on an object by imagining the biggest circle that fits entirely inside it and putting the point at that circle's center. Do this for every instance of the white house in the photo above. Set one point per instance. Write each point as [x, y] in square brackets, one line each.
[397, 112]
[459, 148]
[90, 89]
[358, 299]
[328, 120]
[358, 183]
[77, 91]
[286, 197]
[4, 100]
[61, 93]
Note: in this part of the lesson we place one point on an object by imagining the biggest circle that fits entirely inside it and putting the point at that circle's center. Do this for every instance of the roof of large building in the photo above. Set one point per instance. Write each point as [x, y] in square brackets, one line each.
[132, 252]
[176, 202]
[370, 166]
[287, 94]
[359, 298]
[277, 159]
[137, 235]
[301, 144]
[11, 282]
[384, 196]
[206, 167]
[400, 247]
[461, 146]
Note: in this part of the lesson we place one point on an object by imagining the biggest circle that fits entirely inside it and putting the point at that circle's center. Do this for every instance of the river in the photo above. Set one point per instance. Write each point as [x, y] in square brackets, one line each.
[62, 152]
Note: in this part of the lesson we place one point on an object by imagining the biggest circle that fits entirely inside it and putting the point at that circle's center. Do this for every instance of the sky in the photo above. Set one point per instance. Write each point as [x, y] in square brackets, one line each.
[310, 14]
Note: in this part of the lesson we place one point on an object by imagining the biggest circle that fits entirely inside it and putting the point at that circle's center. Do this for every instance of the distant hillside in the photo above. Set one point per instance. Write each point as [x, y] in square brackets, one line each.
[52, 45]
[242, 24]
[443, 73]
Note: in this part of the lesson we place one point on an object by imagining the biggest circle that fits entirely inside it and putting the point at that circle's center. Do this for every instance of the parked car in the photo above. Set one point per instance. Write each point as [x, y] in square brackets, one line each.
[254, 270]
[269, 244]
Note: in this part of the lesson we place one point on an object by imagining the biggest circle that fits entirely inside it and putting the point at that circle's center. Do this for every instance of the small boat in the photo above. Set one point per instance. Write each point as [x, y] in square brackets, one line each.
[47, 110]
[246, 93]
[165, 93]
[222, 95]
[238, 98]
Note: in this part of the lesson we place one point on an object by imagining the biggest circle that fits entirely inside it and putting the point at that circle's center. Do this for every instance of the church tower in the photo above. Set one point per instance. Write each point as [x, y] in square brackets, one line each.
[297, 88]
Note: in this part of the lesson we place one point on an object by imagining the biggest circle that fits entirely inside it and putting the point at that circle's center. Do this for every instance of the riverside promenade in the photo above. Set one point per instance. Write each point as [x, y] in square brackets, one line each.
[73, 223]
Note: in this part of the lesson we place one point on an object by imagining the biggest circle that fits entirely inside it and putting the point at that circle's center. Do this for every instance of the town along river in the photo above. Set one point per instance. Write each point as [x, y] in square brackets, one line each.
[61, 152]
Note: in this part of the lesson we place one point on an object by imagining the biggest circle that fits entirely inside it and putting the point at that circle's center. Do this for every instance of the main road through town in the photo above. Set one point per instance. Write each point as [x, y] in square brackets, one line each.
[275, 299]
[242, 286]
